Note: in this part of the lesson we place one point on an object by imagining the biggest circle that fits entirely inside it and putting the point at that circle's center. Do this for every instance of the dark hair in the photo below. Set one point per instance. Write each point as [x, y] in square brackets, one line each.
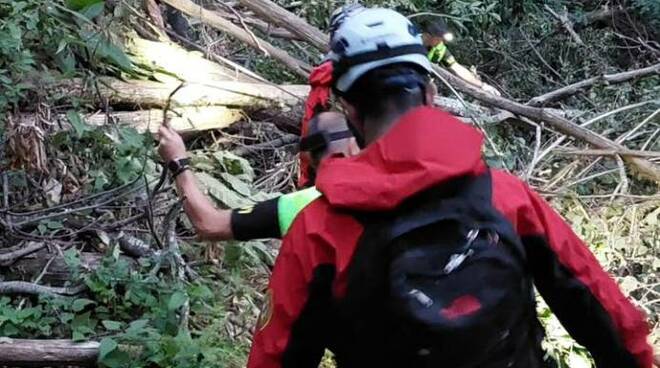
[436, 27]
[388, 89]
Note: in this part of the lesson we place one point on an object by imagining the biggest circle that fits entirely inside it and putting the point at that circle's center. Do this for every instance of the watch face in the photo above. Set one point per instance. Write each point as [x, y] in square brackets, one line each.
[177, 165]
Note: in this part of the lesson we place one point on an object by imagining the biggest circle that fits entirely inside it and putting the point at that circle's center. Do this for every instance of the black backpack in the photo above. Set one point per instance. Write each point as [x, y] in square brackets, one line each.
[439, 282]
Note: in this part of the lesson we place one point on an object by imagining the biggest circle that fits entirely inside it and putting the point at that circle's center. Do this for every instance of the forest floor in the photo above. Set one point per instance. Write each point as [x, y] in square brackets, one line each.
[93, 232]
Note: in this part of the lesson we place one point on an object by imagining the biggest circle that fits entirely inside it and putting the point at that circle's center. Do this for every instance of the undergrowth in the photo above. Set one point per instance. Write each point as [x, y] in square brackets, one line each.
[147, 316]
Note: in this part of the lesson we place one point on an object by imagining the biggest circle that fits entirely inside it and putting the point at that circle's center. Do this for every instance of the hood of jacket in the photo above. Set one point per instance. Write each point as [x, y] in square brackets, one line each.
[426, 147]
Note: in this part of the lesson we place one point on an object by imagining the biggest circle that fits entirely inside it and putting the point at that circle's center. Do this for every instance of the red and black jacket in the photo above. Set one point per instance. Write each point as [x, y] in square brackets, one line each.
[426, 148]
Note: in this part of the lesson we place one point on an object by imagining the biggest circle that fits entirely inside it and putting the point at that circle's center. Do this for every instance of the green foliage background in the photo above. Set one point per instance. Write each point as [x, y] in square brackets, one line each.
[135, 312]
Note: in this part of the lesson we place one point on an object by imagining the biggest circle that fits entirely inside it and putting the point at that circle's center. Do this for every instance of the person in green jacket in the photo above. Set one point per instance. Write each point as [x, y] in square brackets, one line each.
[435, 36]
[328, 135]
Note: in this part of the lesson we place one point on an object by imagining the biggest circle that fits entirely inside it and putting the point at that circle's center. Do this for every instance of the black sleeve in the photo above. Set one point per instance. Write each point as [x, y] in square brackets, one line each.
[256, 222]
[448, 59]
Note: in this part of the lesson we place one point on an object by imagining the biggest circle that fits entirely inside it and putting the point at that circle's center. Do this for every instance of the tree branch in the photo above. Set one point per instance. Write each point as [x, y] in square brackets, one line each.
[52, 353]
[7, 259]
[281, 17]
[23, 287]
[641, 166]
[566, 23]
[587, 83]
[216, 21]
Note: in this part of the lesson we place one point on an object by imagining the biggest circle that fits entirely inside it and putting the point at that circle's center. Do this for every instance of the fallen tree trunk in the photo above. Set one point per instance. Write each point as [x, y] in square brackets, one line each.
[170, 62]
[281, 17]
[185, 120]
[587, 83]
[148, 94]
[641, 166]
[47, 353]
[214, 20]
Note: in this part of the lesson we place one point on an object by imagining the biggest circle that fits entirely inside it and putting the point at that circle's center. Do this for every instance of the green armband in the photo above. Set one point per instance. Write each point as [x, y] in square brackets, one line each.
[289, 205]
[437, 53]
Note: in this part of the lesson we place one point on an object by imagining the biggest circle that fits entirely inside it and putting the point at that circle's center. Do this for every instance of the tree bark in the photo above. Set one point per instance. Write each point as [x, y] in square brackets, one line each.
[47, 353]
[641, 166]
[281, 17]
[214, 20]
[587, 83]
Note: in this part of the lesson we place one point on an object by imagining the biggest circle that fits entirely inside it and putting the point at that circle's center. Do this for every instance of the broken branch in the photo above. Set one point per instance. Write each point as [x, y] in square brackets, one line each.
[216, 21]
[24, 287]
[10, 257]
[641, 166]
[281, 17]
[587, 83]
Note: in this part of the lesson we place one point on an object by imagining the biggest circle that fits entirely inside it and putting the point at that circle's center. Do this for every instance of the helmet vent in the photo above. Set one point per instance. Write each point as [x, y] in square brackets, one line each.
[372, 25]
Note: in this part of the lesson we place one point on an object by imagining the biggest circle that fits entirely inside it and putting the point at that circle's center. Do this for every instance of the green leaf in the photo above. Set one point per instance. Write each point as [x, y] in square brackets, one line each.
[111, 325]
[77, 122]
[54, 225]
[71, 259]
[106, 347]
[65, 60]
[77, 336]
[117, 359]
[137, 326]
[80, 4]
[93, 10]
[80, 304]
[176, 300]
[131, 139]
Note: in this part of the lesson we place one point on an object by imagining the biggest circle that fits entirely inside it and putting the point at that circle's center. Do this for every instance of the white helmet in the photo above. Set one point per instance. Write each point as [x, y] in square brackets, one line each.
[339, 16]
[373, 38]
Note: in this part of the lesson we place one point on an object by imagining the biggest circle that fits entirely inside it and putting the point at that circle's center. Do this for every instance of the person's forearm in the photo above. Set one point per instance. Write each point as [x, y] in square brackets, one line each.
[210, 223]
[463, 73]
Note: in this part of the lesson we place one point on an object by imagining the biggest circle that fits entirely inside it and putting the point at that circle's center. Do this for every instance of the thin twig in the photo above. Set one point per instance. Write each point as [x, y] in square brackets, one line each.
[537, 148]
[563, 19]
[629, 134]
[606, 152]
[471, 115]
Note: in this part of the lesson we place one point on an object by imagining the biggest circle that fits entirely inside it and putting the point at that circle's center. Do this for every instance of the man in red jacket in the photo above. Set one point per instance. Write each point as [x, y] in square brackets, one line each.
[381, 78]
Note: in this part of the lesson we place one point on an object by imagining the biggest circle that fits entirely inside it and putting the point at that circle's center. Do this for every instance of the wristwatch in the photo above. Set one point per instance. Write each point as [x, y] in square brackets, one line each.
[178, 166]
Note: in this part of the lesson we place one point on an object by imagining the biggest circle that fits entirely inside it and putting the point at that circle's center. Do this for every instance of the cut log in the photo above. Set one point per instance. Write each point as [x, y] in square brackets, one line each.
[216, 21]
[588, 83]
[47, 353]
[148, 94]
[643, 167]
[281, 17]
[184, 120]
[170, 62]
